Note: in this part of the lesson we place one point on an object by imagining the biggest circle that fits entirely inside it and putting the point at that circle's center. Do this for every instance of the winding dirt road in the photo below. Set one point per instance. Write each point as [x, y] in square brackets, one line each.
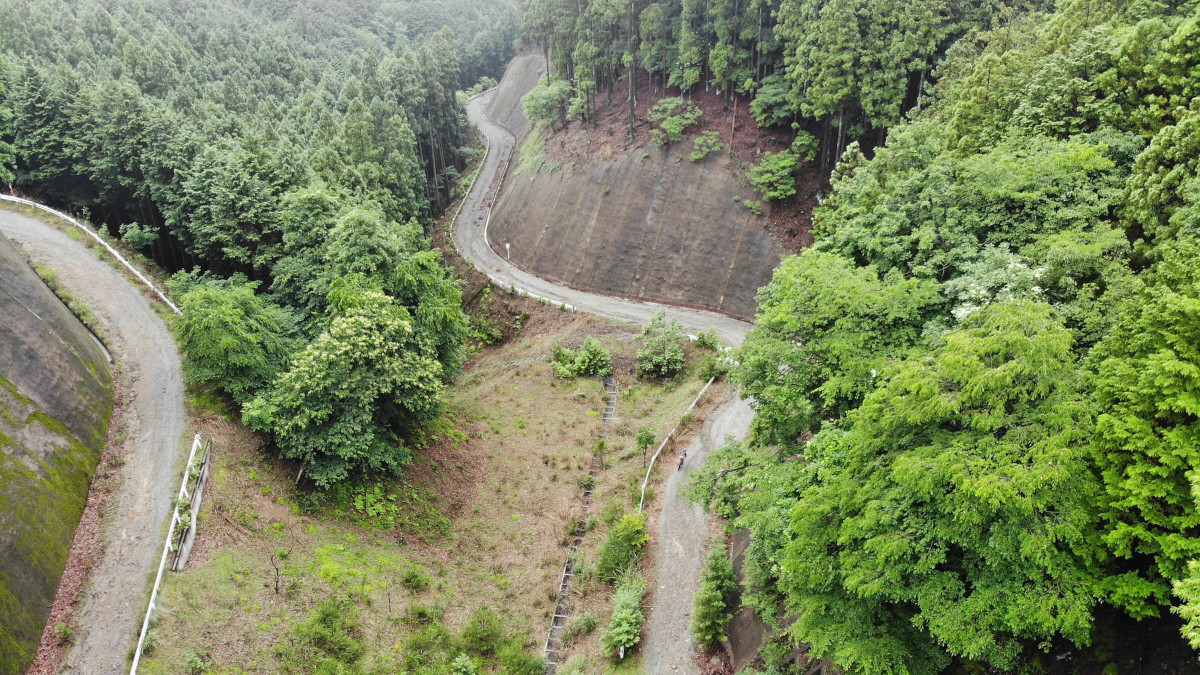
[110, 614]
[683, 528]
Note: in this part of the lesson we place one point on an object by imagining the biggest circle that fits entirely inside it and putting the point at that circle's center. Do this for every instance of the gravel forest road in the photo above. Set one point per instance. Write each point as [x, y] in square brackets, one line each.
[683, 528]
[110, 615]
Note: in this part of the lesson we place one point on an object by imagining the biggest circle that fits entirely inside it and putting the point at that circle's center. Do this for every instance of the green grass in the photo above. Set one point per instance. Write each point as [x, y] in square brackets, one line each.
[480, 519]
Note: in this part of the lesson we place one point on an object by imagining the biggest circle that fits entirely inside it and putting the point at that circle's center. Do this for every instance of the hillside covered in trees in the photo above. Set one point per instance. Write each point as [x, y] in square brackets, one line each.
[838, 70]
[976, 435]
[288, 156]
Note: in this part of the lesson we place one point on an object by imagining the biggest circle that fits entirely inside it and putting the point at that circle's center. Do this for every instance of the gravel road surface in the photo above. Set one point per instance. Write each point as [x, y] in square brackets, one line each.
[110, 615]
[683, 527]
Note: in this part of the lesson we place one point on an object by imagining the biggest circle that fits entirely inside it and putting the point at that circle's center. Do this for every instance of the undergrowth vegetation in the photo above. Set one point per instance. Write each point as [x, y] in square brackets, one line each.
[453, 568]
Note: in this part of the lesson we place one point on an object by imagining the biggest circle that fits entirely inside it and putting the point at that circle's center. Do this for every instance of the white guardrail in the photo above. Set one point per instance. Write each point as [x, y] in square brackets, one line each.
[162, 296]
[662, 445]
[175, 520]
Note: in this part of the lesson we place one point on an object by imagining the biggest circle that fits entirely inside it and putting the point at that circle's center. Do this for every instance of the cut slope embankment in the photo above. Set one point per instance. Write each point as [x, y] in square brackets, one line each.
[653, 225]
[649, 224]
[55, 402]
[148, 448]
[520, 76]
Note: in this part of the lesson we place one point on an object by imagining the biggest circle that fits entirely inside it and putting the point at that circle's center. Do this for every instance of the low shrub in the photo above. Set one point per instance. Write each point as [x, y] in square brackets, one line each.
[463, 665]
[713, 366]
[415, 579]
[514, 660]
[326, 642]
[706, 143]
[591, 359]
[625, 627]
[484, 633]
[774, 175]
[714, 600]
[583, 624]
[707, 339]
[672, 116]
[622, 546]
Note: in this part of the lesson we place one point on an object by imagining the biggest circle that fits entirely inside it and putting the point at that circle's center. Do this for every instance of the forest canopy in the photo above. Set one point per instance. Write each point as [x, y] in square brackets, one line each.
[842, 69]
[976, 435]
[285, 157]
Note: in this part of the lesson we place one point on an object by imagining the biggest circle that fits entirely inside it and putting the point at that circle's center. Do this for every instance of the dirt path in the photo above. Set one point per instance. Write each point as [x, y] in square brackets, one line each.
[682, 537]
[683, 528]
[110, 614]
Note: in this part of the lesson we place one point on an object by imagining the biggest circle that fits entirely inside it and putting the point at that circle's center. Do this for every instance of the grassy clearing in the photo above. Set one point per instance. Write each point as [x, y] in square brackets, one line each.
[390, 577]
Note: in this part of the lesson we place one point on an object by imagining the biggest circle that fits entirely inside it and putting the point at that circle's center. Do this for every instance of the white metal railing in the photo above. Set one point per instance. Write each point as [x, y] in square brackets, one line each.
[143, 278]
[662, 445]
[137, 654]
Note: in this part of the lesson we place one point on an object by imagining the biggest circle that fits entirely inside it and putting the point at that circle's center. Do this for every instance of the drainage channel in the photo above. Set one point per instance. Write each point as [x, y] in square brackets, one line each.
[562, 610]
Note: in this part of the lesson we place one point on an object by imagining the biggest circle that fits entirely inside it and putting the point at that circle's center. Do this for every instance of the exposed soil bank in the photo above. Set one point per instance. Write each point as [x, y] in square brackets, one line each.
[520, 76]
[647, 224]
[55, 402]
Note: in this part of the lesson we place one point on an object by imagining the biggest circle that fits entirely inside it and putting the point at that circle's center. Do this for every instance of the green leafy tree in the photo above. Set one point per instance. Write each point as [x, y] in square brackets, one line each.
[7, 157]
[350, 398]
[662, 356]
[1187, 590]
[928, 213]
[771, 106]
[1147, 446]
[714, 599]
[234, 339]
[958, 500]
[547, 102]
[824, 333]
[1155, 188]
[645, 438]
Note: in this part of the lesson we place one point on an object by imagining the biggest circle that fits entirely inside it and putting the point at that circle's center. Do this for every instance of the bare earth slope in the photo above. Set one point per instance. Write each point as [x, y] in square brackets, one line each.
[683, 529]
[650, 224]
[111, 613]
[521, 75]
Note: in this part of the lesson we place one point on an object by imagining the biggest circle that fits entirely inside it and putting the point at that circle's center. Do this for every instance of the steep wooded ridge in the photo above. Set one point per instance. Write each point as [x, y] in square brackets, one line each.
[287, 156]
[55, 402]
[976, 438]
